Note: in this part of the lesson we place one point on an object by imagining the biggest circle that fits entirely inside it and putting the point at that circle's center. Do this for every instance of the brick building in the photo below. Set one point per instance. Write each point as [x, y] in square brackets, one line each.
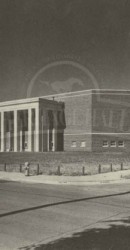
[91, 120]
[97, 120]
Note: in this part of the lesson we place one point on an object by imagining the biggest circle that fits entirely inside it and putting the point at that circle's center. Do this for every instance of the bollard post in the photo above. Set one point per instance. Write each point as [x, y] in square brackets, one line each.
[83, 171]
[5, 167]
[99, 169]
[121, 165]
[58, 170]
[27, 168]
[20, 168]
[111, 167]
[38, 169]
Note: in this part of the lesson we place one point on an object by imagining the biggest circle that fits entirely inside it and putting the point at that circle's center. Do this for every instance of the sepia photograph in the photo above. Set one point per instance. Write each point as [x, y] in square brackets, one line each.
[64, 125]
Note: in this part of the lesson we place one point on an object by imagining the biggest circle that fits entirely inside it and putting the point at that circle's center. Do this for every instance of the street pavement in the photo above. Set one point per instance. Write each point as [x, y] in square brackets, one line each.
[64, 217]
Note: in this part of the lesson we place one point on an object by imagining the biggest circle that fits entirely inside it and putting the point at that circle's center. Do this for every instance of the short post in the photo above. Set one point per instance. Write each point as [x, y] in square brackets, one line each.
[38, 169]
[58, 170]
[121, 165]
[20, 168]
[83, 170]
[27, 168]
[99, 169]
[5, 167]
[111, 167]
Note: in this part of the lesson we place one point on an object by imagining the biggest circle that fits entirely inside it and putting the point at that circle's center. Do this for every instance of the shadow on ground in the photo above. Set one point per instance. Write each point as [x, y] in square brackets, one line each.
[110, 235]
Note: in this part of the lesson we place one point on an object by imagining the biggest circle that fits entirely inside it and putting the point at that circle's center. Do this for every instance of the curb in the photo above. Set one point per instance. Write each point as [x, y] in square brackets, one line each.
[115, 177]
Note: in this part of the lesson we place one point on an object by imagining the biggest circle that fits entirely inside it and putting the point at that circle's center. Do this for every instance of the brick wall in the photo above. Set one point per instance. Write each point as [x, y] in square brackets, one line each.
[83, 142]
[97, 143]
[96, 112]
[111, 114]
[78, 121]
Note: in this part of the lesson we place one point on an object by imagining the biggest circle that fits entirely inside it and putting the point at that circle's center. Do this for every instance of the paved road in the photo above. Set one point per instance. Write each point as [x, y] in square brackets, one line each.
[54, 217]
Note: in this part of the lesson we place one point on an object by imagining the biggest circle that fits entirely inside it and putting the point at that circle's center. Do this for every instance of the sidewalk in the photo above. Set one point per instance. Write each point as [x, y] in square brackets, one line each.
[114, 177]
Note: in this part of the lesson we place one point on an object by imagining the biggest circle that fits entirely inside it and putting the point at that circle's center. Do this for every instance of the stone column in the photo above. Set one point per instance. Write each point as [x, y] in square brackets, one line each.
[42, 134]
[10, 130]
[2, 132]
[15, 130]
[21, 140]
[30, 130]
[54, 132]
[44, 131]
[21, 131]
[37, 130]
[54, 139]
[48, 140]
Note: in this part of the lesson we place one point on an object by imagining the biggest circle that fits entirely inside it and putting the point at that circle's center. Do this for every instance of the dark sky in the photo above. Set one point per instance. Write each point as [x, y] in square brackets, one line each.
[34, 32]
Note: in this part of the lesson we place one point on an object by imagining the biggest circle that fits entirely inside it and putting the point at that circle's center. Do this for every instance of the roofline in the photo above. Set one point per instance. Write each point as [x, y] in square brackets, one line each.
[37, 99]
[27, 101]
[19, 101]
[88, 91]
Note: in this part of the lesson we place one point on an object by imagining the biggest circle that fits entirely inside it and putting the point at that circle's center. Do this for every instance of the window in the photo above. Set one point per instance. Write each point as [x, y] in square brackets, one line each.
[105, 144]
[73, 145]
[120, 143]
[83, 144]
[113, 143]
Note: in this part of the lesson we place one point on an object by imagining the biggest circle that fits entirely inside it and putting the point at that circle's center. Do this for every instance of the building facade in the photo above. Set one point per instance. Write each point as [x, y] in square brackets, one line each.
[31, 125]
[91, 120]
[97, 120]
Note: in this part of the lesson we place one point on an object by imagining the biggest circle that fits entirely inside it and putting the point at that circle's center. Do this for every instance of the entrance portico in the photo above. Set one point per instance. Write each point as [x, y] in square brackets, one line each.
[26, 125]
